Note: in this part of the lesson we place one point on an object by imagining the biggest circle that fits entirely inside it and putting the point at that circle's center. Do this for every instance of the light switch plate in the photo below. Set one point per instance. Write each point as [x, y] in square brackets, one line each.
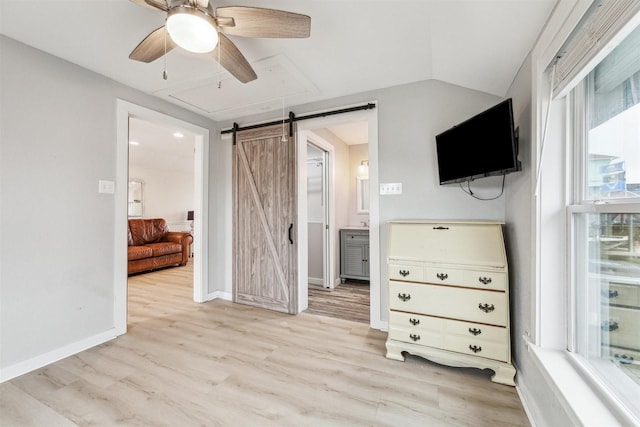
[391, 188]
[106, 187]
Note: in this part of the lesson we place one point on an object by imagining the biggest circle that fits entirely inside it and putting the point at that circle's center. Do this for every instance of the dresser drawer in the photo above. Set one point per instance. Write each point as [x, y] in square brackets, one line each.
[473, 346]
[360, 236]
[477, 347]
[485, 332]
[485, 280]
[467, 278]
[450, 302]
[409, 273]
[443, 276]
[621, 327]
[417, 322]
[621, 294]
[420, 337]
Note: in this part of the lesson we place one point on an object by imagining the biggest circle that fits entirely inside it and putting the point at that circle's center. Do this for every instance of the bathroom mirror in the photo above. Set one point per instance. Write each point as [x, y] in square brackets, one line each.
[362, 195]
[134, 205]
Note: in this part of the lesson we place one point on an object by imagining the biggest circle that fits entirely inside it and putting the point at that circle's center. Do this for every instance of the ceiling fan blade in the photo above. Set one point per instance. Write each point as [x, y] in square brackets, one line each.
[153, 46]
[154, 4]
[259, 22]
[233, 60]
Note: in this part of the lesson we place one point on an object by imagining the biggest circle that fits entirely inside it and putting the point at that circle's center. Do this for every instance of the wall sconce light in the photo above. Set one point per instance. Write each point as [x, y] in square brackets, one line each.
[363, 169]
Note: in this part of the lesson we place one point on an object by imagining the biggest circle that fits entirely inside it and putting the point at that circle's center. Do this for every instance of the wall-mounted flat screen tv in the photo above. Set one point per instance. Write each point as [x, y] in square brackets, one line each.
[484, 145]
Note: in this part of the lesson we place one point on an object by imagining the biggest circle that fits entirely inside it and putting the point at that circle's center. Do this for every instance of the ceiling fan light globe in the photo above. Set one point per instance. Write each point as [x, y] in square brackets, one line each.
[191, 30]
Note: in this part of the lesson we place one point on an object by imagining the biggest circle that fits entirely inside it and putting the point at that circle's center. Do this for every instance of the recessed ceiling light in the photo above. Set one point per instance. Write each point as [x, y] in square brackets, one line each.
[134, 143]
[178, 134]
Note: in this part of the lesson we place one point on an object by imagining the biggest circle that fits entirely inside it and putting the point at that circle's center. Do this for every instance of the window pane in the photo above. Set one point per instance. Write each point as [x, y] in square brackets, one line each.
[610, 302]
[613, 169]
[606, 251]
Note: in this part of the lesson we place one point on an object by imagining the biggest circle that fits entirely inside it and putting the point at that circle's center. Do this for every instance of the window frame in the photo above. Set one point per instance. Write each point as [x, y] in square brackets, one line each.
[599, 373]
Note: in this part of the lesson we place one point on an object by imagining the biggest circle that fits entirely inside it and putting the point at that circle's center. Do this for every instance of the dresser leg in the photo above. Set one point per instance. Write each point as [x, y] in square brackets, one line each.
[393, 352]
[505, 375]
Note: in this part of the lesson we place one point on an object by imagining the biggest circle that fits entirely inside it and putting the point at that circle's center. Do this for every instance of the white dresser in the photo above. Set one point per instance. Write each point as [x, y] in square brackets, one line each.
[449, 295]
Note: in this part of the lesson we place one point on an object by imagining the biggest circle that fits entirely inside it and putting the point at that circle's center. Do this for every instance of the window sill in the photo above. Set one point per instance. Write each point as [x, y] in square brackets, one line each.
[581, 401]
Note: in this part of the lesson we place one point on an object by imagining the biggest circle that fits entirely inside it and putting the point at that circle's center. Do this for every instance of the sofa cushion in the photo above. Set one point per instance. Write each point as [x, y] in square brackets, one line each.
[139, 252]
[164, 248]
[145, 231]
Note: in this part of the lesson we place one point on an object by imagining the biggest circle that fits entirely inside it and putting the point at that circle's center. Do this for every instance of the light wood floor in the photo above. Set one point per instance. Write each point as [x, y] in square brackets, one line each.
[223, 364]
[348, 301]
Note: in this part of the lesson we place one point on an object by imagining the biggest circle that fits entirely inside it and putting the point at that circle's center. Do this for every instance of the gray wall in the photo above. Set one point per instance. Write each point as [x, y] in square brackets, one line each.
[535, 384]
[57, 139]
[57, 130]
[409, 117]
[357, 153]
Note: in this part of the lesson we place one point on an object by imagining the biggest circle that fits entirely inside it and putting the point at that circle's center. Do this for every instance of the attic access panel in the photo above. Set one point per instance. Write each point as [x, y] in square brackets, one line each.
[221, 93]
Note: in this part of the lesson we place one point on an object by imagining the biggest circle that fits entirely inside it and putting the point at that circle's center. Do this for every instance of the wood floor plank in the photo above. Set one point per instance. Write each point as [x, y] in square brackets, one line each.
[222, 364]
[348, 301]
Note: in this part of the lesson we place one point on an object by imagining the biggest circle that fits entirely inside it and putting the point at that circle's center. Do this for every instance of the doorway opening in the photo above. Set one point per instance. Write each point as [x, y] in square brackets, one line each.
[319, 209]
[161, 187]
[128, 117]
[347, 212]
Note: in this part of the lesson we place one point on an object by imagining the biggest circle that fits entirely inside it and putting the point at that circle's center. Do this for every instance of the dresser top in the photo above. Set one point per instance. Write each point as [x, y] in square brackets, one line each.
[461, 243]
[444, 221]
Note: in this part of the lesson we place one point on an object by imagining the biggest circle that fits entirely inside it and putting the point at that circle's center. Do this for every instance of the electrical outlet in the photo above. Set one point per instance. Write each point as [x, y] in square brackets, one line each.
[390, 188]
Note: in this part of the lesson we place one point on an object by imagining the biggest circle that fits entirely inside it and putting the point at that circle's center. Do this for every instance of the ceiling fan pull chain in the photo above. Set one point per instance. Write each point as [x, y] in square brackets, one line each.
[165, 75]
[219, 55]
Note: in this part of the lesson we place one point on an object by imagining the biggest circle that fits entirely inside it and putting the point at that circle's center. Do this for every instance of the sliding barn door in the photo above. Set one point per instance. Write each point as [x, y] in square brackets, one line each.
[265, 220]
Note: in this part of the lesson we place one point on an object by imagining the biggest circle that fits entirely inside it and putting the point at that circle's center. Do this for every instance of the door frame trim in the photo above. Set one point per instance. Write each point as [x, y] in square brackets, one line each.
[124, 110]
[328, 253]
[371, 117]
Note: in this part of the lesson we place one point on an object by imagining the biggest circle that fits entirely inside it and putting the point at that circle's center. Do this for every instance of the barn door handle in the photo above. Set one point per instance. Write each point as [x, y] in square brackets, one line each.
[290, 230]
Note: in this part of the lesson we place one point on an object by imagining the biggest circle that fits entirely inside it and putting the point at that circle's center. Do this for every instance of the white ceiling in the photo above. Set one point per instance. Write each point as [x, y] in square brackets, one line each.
[154, 146]
[355, 46]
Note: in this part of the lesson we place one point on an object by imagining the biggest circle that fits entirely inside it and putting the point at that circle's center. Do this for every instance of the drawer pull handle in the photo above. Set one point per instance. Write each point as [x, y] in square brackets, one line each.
[475, 331]
[440, 228]
[484, 280]
[475, 348]
[404, 297]
[487, 308]
[623, 359]
[442, 276]
[414, 337]
[404, 273]
[414, 322]
[609, 326]
[609, 293]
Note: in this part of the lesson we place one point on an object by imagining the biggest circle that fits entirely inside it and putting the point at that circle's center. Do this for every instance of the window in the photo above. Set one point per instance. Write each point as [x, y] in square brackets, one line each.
[605, 223]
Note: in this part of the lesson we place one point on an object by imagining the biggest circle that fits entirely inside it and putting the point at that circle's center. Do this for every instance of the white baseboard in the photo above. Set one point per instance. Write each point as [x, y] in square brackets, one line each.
[228, 296]
[45, 359]
[525, 404]
[315, 281]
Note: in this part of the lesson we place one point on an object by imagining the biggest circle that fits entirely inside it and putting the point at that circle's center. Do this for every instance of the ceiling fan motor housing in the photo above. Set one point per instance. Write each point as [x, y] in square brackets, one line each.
[192, 28]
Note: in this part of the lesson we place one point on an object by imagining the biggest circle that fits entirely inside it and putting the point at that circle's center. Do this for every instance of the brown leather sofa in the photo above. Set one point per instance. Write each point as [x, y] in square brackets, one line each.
[152, 245]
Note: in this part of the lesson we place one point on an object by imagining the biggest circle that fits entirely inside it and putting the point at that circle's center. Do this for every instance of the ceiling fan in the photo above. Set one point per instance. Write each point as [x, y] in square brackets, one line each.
[196, 26]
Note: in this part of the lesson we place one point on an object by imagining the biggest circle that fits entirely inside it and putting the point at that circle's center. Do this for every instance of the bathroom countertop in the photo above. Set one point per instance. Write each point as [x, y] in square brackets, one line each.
[354, 227]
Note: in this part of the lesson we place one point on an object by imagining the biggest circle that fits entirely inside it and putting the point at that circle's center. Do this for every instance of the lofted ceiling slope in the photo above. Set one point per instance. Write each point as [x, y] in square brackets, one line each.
[355, 46]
